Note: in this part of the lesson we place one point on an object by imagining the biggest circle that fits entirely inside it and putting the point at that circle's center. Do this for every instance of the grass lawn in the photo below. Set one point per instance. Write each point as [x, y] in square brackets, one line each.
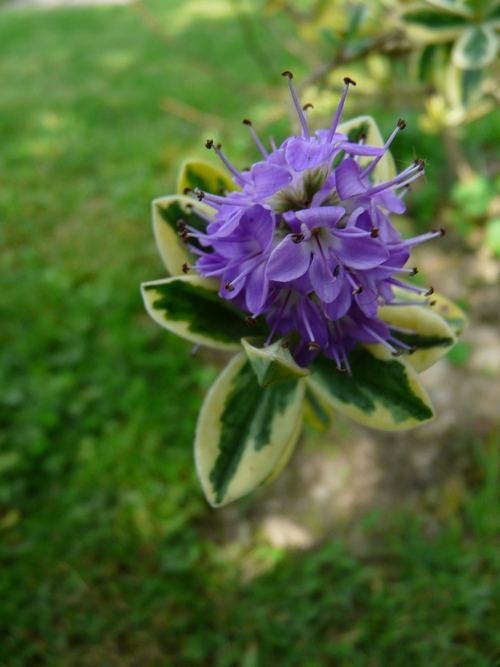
[101, 517]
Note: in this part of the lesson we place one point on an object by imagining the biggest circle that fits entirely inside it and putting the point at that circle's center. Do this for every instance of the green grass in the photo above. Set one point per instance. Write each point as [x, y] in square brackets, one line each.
[104, 554]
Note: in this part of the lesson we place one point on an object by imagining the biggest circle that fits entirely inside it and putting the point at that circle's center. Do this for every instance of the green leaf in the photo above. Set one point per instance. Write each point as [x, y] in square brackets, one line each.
[447, 309]
[356, 15]
[272, 364]
[204, 175]
[167, 211]
[190, 307]
[470, 84]
[454, 6]
[437, 22]
[385, 169]
[286, 455]
[492, 238]
[383, 392]
[473, 196]
[460, 354]
[317, 413]
[432, 339]
[493, 14]
[476, 48]
[427, 62]
[245, 431]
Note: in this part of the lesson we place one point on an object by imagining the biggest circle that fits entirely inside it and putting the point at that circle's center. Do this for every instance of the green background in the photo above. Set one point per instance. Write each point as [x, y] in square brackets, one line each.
[109, 554]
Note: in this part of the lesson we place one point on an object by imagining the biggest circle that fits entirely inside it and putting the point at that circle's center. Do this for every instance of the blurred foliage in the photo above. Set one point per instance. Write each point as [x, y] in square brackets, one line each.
[448, 49]
[109, 555]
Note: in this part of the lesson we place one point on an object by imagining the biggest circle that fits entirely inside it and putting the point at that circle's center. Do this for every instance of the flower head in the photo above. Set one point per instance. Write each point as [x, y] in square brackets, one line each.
[302, 255]
[306, 241]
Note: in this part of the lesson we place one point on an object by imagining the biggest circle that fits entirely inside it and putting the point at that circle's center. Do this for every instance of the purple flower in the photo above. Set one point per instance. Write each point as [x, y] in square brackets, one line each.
[307, 242]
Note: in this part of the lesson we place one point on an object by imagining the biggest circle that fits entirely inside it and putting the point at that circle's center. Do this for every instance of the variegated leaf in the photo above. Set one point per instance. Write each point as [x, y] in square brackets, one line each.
[432, 339]
[383, 392]
[244, 431]
[272, 364]
[447, 309]
[476, 48]
[317, 413]
[385, 169]
[454, 6]
[433, 27]
[190, 307]
[427, 62]
[167, 211]
[492, 16]
[287, 454]
[205, 176]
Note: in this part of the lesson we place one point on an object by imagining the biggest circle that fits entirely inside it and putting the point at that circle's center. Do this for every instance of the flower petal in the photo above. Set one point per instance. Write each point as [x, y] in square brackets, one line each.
[303, 153]
[324, 216]
[326, 288]
[268, 179]
[348, 179]
[339, 306]
[359, 250]
[289, 260]
[257, 289]
[259, 222]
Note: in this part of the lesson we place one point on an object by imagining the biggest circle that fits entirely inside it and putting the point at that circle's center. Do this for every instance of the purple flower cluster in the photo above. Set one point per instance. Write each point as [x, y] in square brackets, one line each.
[307, 243]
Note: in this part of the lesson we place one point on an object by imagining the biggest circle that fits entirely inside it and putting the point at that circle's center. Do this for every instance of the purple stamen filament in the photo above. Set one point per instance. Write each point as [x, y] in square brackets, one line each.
[280, 315]
[302, 118]
[338, 113]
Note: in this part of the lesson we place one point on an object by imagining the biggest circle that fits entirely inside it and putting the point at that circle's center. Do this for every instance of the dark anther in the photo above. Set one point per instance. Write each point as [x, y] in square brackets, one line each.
[432, 303]
[185, 268]
[297, 238]
[313, 345]
[183, 234]
[250, 321]
[307, 106]
[421, 165]
[305, 203]
[287, 73]
[412, 350]
[285, 344]
[209, 144]
[374, 232]
[348, 81]
[358, 290]
[429, 291]
[401, 124]
[229, 287]
[189, 207]
[442, 231]
[336, 271]
[247, 122]
[414, 271]
[181, 224]
[187, 191]
[219, 146]
[339, 369]
[200, 195]
[397, 354]
[362, 136]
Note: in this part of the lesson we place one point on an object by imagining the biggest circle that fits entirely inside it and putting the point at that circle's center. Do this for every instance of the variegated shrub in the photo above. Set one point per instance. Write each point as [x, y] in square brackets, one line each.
[294, 265]
[459, 39]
